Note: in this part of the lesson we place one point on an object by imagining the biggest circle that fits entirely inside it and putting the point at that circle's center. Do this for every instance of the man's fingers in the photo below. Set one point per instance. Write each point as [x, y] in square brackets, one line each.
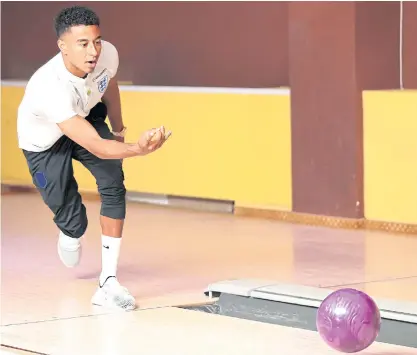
[151, 134]
[155, 138]
[162, 130]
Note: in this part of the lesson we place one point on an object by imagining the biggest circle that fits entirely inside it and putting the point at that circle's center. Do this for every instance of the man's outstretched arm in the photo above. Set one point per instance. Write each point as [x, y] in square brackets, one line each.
[83, 133]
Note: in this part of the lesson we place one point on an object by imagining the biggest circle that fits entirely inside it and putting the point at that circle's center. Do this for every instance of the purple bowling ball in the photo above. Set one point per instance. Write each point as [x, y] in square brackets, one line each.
[348, 320]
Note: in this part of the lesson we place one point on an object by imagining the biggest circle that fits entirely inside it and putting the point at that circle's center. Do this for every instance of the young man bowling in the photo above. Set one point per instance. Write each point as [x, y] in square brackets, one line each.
[61, 118]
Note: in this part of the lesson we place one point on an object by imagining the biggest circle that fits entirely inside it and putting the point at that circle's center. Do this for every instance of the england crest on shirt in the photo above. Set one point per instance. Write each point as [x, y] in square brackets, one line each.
[102, 84]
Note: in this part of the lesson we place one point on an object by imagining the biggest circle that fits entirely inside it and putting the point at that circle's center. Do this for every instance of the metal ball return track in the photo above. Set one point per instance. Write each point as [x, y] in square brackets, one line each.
[296, 306]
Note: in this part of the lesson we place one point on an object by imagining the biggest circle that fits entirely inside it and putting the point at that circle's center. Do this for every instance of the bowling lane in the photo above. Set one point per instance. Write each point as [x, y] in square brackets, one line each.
[208, 248]
[172, 331]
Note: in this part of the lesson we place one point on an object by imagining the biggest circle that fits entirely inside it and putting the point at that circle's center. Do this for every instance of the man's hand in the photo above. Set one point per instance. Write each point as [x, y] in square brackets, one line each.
[153, 139]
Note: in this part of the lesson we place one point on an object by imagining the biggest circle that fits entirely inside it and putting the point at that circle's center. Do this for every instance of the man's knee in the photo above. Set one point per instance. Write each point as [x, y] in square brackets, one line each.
[72, 220]
[113, 201]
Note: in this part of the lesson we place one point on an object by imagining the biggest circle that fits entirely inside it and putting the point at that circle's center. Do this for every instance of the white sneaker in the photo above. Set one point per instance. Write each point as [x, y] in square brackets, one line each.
[113, 295]
[69, 250]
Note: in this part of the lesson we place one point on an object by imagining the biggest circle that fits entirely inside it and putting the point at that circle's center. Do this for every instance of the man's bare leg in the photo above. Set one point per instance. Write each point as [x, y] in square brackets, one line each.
[111, 227]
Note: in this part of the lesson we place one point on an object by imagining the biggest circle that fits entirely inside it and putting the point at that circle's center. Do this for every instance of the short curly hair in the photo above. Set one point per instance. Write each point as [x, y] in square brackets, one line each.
[74, 16]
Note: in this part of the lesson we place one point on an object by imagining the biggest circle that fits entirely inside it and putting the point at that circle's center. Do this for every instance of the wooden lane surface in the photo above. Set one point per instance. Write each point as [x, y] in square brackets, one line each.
[169, 256]
[173, 331]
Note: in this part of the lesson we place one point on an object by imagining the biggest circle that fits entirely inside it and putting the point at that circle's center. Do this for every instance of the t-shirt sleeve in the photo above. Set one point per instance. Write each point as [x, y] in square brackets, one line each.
[111, 57]
[60, 105]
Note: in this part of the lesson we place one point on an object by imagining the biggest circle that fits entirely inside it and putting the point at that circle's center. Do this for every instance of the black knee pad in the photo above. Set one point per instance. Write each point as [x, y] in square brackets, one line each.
[72, 221]
[113, 201]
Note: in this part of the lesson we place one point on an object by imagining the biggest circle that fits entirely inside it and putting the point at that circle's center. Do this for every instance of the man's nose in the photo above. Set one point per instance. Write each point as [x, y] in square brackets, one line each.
[92, 50]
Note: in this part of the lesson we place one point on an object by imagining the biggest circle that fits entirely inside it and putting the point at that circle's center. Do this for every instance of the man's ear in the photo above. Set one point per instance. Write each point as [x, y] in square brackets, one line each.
[62, 46]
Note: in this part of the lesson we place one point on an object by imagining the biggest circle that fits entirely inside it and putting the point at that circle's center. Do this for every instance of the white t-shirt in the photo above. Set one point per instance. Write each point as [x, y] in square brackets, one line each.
[54, 95]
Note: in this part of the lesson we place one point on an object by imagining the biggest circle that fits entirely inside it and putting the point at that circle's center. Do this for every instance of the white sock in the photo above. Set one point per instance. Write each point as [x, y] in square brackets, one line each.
[110, 249]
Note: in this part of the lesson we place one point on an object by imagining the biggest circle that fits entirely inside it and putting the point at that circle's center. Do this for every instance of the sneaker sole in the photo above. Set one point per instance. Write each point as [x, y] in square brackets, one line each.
[99, 299]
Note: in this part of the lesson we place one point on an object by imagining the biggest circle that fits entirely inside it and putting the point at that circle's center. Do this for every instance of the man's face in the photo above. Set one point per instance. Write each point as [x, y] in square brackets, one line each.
[81, 46]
